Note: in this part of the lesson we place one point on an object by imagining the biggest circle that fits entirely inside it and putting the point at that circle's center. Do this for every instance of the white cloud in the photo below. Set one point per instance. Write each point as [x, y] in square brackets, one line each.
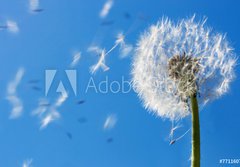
[12, 95]
[106, 8]
[110, 122]
[12, 26]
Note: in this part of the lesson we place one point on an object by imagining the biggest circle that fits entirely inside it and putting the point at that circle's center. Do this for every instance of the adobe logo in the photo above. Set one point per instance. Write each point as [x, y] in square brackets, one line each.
[71, 75]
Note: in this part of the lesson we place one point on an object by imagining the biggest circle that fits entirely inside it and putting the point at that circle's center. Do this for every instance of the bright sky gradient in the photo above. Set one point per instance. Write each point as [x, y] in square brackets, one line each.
[49, 39]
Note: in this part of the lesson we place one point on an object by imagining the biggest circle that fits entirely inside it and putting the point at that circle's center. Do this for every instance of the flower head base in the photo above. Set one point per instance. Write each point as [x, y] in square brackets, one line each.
[182, 70]
[174, 61]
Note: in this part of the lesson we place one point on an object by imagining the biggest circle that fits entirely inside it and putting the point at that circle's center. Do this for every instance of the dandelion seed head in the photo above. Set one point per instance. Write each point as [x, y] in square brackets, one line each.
[182, 70]
[175, 60]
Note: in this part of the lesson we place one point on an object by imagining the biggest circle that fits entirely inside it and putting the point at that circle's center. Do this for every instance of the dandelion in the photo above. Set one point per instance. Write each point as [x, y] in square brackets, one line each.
[176, 62]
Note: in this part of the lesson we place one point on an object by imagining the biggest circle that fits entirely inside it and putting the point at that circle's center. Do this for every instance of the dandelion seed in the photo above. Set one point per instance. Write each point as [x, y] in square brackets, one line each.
[107, 22]
[81, 101]
[125, 50]
[33, 81]
[173, 129]
[17, 106]
[12, 26]
[110, 122]
[182, 135]
[172, 142]
[110, 140]
[82, 120]
[127, 15]
[120, 38]
[27, 163]
[12, 95]
[106, 8]
[69, 135]
[61, 99]
[95, 49]
[76, 58]
[43, 105]
[119, 41]
[3, 27]
[49, 113]
[100, 63]
[33, 4]
[50, 117]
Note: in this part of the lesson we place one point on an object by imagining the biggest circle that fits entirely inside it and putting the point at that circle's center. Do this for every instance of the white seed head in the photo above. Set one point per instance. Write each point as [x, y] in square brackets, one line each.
[175, 60]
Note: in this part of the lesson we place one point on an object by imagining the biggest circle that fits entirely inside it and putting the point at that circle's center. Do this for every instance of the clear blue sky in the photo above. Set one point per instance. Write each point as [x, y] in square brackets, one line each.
[47, 40]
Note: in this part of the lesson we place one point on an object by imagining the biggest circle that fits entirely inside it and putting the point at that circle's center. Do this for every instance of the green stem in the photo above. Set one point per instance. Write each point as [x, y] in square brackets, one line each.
[195, 132]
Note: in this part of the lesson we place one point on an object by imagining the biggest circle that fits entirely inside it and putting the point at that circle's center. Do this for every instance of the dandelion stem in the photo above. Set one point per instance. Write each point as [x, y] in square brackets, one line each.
[195, 132]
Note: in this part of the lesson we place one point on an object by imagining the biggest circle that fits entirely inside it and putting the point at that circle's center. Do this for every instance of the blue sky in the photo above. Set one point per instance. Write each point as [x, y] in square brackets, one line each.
[47, 40]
